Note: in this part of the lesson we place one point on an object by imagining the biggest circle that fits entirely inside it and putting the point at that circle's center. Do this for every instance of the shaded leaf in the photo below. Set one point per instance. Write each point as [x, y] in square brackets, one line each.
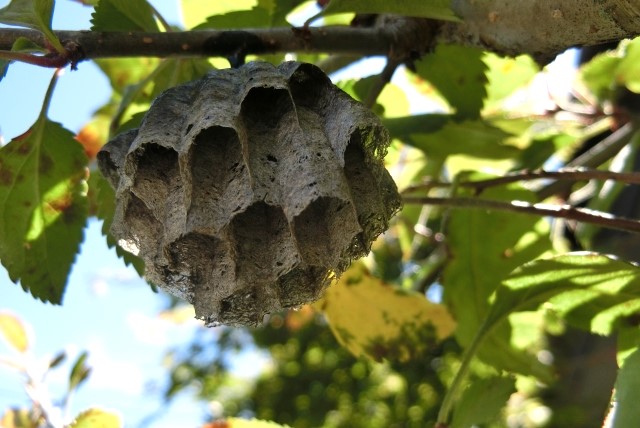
[43, 207]
[123, 15]
[371, 318]
[14, 332]
[4, 67]
[434, 9]
[34, 14]
[79, 372]
[482, 401]
[459, 74]
[105, 208]
[96, 418]
[592, 289]
[404, 127]
[472, 138]
[57, 360]
[627, 411]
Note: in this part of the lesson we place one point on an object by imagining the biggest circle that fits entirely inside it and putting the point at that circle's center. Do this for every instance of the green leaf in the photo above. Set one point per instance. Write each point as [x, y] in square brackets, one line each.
[628, 71]
[596, 287]
[43, 206]
[35, 14]
[471, 138]
[482, 401]
[257, 17]
[14, 332]
[627, 411]
[374, 319]
[403, 127]
[434, 9]
[105, 208]
[80, 372]
[485, 247]
[123, 15]
[597, 74]
[96, 418]
[459, 74]
[505, 75]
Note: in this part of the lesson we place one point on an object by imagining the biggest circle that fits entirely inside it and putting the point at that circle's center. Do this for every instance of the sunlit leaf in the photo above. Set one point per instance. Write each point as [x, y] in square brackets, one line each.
[482, 401]
[14, 332]
[35, 14]
[123, 15]
[372, 318]
[43, 207]
[628, 71]
[250, 423]
[435, 9]
[627, 411]
[505, 75]
[472, 138]
[485, 246]
[585, 287]
[598, 73]
[392, 101]
[195, 12]
[96, 418]
[459, 74]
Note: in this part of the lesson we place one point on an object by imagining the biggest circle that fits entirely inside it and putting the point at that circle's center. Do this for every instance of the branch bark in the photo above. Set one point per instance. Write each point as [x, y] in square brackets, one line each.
[541, 28]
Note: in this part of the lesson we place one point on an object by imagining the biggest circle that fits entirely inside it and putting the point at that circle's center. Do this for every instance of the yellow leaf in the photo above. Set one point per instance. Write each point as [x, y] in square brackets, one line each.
[14, 331]
[371, 318]
[96, 418]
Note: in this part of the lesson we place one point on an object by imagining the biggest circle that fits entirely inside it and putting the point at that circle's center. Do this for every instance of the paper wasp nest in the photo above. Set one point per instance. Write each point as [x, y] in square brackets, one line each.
[245, 190]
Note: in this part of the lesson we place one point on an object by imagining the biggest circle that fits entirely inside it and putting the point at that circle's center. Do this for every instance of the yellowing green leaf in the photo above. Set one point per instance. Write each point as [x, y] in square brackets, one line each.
[434, 9]
[35, 14]
[19, 418]
[96, 418]
[123, 15]
[14, 332]
[628, 71]
[505, 75]
[42, 207]
[251, 423]
[195, 12]
[371, 318]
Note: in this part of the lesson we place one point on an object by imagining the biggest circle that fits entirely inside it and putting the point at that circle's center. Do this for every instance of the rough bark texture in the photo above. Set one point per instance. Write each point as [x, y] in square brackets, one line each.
[245, 191]
[541, 28]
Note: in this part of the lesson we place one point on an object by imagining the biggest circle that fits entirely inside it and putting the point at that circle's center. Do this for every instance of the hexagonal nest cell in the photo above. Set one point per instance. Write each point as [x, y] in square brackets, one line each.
[245, 191]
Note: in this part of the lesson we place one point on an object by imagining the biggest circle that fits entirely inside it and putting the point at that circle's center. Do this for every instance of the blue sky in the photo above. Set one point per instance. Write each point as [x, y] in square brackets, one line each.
[108, 310]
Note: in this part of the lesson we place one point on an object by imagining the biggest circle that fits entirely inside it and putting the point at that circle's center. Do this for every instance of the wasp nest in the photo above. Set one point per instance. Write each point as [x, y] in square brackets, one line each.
[245, 190]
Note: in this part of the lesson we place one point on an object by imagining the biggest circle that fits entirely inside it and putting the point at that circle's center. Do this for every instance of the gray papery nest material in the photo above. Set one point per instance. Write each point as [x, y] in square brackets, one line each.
[246, 191]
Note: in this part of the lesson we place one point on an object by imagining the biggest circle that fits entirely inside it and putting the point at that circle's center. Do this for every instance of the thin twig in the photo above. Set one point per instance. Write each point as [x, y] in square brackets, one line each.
[541, 209]
[593, 158]
[565, 174]
[383, 78]
[160, 18]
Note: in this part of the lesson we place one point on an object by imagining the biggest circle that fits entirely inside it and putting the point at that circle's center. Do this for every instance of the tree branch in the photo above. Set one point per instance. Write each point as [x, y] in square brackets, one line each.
[565, 174]
[557, 211]
[495, 25]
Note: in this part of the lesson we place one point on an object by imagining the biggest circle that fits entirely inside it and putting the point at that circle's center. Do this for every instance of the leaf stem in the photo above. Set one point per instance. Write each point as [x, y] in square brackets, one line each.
[541, 209]
[454, 390]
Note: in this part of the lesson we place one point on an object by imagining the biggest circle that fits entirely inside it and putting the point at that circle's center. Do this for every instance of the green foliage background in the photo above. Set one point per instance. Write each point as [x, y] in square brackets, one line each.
[506, 286]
